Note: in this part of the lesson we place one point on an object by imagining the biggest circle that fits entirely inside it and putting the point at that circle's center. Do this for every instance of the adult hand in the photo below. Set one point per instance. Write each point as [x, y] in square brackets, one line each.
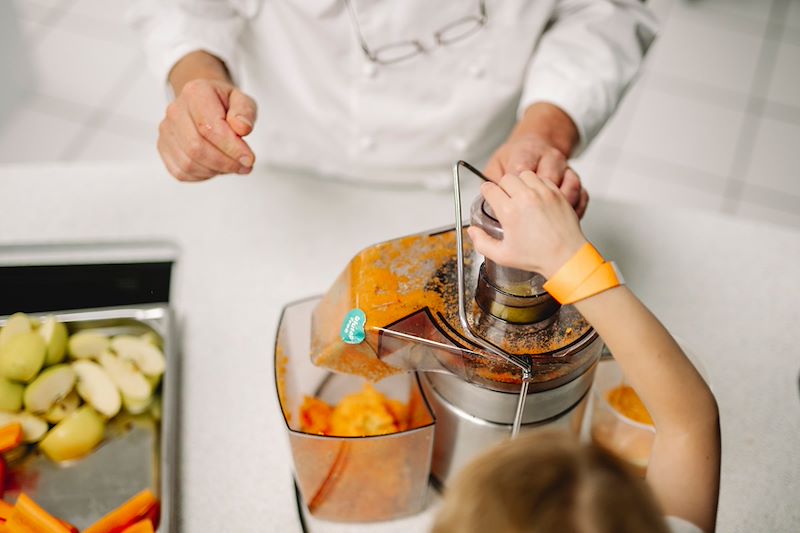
[541, 143]
[201, 134]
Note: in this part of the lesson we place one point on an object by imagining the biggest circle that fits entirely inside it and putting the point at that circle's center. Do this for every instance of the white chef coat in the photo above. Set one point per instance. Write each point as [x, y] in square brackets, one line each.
[324, 106]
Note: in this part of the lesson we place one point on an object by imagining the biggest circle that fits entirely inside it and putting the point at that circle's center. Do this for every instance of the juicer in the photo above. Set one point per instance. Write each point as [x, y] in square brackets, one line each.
[492, 352]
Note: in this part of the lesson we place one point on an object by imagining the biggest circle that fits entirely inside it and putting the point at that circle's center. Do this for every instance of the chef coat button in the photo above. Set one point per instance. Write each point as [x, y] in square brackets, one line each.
[459, 144]
[369, 69]
[476, 71]
[366, 143]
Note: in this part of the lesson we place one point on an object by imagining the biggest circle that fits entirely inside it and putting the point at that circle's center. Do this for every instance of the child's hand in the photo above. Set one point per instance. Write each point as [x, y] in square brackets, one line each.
[540, 228]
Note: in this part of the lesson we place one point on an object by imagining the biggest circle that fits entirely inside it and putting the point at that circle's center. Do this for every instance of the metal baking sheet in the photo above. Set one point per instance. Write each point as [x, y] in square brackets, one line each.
[138, 452]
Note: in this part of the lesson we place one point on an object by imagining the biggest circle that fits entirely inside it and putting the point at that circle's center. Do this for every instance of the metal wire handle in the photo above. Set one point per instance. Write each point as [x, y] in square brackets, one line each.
[462, 304]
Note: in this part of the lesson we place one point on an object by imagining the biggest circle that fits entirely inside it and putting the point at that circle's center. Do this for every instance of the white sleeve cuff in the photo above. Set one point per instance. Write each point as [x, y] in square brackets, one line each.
[170, 32]
[586, 60]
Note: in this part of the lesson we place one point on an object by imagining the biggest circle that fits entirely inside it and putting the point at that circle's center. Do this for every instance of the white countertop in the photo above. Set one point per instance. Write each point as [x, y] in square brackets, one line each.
[248, 245]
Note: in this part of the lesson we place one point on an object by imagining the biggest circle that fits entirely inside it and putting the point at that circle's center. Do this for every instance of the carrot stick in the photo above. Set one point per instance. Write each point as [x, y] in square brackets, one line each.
[142, 526]
[27, 517]
[126, 514]
[10, 436]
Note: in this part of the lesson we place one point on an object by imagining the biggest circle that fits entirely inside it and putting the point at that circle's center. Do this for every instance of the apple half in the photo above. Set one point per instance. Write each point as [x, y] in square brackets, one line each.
[87, 345]
[51, 386]
[55, 337]
[148, 358]
[75, 436]
[129, 380]
[97, 388]
[10, 395]
[16, 324]
[22, 356]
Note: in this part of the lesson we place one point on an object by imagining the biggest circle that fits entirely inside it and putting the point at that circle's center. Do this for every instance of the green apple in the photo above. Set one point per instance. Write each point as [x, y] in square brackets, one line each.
[33, 427]
[16, 324]
[96, 387]
[62, 408]
[75, 436]
[55, 336]
[50, 386]
[87, 345]
[10, 395]
[145, 356]
[22, 357]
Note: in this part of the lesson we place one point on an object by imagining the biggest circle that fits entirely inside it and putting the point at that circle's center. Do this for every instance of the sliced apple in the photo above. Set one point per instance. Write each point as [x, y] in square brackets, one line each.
[10, 395]
[55, 336]
[145, 356]
[62, 408]
[75, 436]
[96, 387]
[49, 387]
[128, 379]
[151, 337]
[22, 357]
[134, 406]
[87, 345]
[33, 427]
[16, 324]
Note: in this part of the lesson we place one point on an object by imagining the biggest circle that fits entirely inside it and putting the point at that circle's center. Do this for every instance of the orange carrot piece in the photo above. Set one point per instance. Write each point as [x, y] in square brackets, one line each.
[142, 526]
[10, 437]
[126, 514]
[5, 510]
[154, 515]
[28, 517]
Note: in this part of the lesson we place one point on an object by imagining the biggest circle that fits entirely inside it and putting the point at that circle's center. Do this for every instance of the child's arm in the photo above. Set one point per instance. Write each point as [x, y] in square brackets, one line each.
[541, 232]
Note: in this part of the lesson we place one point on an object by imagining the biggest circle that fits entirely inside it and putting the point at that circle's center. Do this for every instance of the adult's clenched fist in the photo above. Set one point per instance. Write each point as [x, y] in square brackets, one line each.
[201, 134]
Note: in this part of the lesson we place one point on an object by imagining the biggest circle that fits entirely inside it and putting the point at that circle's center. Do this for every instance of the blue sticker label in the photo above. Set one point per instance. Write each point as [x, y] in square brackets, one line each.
[353, 327]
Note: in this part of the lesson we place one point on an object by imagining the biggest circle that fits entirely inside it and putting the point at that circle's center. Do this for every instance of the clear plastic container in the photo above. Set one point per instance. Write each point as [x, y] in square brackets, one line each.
[350, 479]
[610, 429]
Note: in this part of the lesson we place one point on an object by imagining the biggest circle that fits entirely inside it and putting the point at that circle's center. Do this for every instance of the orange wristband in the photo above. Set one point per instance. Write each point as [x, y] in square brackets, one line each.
[605, 277]
[574, 272]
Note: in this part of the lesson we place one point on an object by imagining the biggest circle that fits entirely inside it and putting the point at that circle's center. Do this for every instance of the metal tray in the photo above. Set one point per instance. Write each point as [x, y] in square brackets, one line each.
[138, 452]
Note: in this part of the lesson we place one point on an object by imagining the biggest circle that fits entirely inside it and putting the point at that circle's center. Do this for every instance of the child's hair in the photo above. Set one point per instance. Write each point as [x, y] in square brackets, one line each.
[548, 482]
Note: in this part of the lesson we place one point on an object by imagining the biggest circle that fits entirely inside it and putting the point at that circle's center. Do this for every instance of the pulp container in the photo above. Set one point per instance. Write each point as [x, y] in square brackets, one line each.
[350, 479]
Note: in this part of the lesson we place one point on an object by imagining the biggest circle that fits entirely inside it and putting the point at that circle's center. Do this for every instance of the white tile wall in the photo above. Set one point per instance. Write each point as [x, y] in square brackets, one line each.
[692, 48]
[714, 122]
[32, 135]
[792, 19]
[639, 180]
[784, 86]
[688, 132]
[775, 160]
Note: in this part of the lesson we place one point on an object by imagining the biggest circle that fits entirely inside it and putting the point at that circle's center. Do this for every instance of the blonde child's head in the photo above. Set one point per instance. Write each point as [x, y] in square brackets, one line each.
[548, 483]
